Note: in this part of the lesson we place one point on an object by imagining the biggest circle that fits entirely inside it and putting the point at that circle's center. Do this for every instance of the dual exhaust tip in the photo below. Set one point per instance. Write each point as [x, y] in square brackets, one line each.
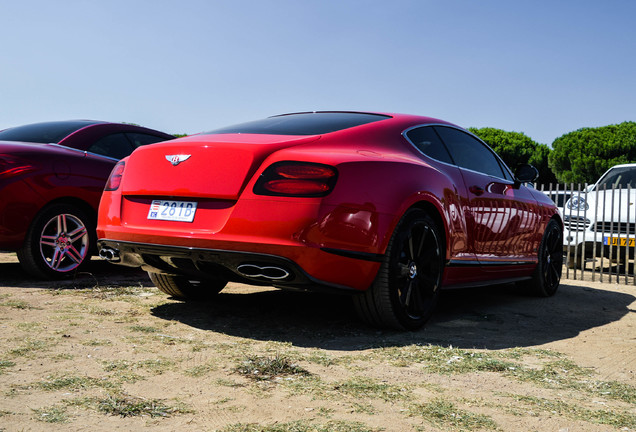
[109, 254]
[272, 273]
[253, 271]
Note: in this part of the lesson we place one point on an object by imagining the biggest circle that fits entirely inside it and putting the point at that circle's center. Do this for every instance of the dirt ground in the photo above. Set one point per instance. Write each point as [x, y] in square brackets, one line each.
[108, 351]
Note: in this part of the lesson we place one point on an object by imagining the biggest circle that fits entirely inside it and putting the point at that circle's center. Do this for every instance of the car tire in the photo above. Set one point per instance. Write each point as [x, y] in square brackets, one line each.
[547, 276]
[58, 242]
[182, 288]
[405, 291]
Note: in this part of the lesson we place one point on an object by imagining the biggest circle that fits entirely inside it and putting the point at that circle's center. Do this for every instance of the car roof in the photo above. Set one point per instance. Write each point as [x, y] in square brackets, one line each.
[46, 132]
[65, 132]
[318, 122]
[628, 165]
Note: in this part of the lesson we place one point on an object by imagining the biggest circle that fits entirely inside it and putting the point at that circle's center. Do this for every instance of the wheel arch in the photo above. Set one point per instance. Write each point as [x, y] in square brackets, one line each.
[557, 217]
[434, 209]
[401, 297]
[434, 212]
[81, 205]
[73, 201]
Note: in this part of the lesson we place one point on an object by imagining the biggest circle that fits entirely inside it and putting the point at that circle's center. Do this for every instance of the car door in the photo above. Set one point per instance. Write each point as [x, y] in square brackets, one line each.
[501, 217]
[427, 141]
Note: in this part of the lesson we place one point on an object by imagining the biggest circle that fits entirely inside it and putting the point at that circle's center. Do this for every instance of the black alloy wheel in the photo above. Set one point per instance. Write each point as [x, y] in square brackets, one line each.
[407, 286]
[550, 266]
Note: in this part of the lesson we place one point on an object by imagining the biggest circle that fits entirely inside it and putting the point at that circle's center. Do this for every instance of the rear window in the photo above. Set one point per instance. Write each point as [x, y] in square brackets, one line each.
[311, 123]
[48, 132]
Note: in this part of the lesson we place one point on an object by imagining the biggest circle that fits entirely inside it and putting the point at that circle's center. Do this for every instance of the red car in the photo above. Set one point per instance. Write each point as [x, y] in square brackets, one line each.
[51, 179]
[386, 207]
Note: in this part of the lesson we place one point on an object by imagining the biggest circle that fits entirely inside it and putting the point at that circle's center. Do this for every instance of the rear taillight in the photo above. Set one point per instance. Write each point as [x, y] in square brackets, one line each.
[297, 179]
[115, 177]
[11, 166]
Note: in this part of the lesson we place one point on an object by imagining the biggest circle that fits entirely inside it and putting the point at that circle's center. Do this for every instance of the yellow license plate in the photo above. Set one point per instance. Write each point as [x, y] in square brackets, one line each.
[618, 241]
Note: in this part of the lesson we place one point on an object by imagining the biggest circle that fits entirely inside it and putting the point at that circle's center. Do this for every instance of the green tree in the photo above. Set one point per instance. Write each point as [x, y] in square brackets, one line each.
[539, 159]
[517, 148]
[584, 155]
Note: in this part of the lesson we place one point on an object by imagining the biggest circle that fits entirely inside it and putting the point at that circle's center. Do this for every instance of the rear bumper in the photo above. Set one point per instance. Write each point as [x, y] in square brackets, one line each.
[255, 268]
[331, 245]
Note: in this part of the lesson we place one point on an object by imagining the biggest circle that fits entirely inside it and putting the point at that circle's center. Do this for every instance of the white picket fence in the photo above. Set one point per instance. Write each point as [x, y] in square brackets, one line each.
[599, 231]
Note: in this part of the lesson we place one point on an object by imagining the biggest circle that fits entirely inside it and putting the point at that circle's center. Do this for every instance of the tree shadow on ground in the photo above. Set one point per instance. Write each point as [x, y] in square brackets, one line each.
[492, 318]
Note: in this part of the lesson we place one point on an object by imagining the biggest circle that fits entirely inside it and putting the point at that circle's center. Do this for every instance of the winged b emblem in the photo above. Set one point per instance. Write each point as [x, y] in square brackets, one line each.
[177, 159]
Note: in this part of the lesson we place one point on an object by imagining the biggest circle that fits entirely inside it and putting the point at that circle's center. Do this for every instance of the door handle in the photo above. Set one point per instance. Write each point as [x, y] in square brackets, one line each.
[476, 190]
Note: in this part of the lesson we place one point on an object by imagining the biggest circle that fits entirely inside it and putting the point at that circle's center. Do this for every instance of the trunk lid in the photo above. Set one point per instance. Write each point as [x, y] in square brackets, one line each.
[202, 166]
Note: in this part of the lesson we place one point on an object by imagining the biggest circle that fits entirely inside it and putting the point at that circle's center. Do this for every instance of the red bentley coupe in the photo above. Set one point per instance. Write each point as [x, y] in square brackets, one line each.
[51, 179]
[389, 208]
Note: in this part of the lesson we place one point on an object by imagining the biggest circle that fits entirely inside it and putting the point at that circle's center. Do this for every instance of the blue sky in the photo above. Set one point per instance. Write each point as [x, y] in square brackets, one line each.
[544, 68]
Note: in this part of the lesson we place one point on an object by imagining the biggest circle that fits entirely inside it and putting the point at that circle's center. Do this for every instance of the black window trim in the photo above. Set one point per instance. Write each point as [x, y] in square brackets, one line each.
[406, 131]
[84, 152]
[99, 155]
[69, 148]
[502, 164]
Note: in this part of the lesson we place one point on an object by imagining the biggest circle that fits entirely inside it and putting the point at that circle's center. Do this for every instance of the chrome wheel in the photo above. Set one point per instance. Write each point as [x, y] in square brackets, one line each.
[64, 243]
[58, 241]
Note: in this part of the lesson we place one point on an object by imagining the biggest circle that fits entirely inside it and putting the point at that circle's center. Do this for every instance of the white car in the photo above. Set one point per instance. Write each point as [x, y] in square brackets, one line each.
[602, 216]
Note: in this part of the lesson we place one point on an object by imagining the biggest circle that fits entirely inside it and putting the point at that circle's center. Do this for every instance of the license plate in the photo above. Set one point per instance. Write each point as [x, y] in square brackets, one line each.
[180, 211]
[618, 241]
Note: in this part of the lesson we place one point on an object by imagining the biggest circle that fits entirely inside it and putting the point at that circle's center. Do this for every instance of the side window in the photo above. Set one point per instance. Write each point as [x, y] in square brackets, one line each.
[468, 152]
[139, 139]
[428, 142]
[115, 145]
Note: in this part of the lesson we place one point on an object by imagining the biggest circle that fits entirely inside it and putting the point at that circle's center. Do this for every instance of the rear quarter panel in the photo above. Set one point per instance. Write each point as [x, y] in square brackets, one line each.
[73, 175]
[373, 191]
[58, 175]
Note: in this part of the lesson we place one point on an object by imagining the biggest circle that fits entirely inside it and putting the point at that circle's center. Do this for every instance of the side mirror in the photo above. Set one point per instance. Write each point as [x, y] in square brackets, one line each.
[526, 173]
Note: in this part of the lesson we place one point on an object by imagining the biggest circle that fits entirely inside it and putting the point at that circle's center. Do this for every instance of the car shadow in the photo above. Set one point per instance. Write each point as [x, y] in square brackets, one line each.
[493, 317]
[95, 273]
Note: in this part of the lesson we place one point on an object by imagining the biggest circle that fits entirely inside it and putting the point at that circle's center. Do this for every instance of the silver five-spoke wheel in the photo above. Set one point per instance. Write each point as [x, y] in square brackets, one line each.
[58, 241]
[64, 243]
